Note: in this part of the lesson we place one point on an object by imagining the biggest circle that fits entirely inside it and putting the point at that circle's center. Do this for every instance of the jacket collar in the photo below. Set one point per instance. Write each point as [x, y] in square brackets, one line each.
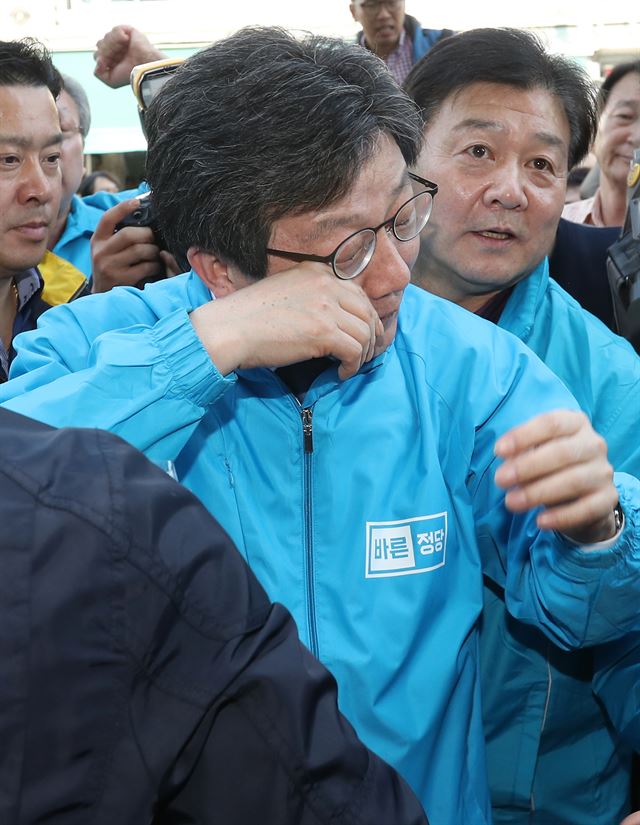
[411, 26]
[519, 315]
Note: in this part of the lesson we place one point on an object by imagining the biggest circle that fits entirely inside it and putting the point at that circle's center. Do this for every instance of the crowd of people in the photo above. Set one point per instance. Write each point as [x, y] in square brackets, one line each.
[377, 364]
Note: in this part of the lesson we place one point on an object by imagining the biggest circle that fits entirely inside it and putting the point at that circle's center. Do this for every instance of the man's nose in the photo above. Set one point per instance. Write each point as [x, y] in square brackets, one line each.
[506, 187]
[388, 270]
[383, 11]
[36, 183]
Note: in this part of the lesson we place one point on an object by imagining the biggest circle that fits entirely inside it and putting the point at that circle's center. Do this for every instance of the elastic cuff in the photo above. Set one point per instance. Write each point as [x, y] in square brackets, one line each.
[194, 376]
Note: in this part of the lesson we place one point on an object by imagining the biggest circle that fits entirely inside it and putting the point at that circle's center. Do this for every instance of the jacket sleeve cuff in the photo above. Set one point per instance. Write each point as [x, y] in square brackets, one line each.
[194, 376]
[588, 561]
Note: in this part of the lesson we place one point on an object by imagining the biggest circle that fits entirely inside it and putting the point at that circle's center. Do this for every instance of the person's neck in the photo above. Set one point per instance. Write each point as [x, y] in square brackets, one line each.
[475, 302]
[382, 52]
[436, 286]
[8, 307]
[613, 203]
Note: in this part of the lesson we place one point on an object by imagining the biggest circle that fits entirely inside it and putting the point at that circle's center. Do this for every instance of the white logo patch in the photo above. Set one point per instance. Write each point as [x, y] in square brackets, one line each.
[401, 548]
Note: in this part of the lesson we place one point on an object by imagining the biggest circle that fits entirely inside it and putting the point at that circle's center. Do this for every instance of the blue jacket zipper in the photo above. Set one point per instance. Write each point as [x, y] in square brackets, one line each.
[307, 440]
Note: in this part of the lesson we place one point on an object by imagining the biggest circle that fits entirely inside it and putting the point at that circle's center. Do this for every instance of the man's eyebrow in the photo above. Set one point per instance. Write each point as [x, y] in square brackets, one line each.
[551, 140]
[331, 222]
[633, 104]
[495, 126]
[26, 143]
[477, 123]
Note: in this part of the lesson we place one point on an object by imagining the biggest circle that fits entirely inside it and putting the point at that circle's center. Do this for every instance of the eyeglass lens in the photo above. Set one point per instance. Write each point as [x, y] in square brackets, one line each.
[413, 216]
[354, 254]
[373, 6]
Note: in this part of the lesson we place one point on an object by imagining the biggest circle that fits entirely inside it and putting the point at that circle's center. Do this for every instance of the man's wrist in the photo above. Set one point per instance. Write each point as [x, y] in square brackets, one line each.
[604, 544]
[218, 339]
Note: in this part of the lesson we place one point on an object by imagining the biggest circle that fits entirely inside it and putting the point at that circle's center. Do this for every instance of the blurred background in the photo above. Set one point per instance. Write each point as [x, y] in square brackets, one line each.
[597, 35]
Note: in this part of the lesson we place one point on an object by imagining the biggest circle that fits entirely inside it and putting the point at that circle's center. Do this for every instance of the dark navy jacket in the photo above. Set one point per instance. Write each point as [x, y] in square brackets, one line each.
[578, 263]
[144, 676]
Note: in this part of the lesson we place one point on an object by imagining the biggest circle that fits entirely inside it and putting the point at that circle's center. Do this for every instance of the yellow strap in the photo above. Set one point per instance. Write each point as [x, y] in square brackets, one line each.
[62, 280]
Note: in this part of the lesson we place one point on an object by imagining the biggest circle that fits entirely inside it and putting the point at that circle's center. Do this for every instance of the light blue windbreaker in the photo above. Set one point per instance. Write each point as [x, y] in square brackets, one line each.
[552, 753]
[369, 510]
[74, 244]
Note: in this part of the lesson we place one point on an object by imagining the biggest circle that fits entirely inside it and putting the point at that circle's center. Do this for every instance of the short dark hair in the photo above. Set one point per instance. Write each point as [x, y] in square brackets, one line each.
[28, 62]
[88, 181]
[577, 175]
[262, 125]
[513, 58]
[614, 77]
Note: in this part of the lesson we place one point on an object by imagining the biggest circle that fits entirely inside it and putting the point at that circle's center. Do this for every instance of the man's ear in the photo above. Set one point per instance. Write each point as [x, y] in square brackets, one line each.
[220, 277]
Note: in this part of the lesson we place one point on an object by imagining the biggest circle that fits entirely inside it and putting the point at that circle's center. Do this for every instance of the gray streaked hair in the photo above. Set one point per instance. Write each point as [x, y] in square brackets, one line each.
[262, 125]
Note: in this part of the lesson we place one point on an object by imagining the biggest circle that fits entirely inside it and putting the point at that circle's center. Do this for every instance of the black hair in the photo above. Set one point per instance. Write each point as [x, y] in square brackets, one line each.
[28, 62]
[614, 77]
[262, 125]
[577, 175]
[87, 183]
[510, 57]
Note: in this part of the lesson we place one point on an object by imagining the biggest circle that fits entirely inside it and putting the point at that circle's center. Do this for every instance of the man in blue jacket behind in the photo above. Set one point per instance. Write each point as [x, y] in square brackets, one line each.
[504, 121]
[370, 448]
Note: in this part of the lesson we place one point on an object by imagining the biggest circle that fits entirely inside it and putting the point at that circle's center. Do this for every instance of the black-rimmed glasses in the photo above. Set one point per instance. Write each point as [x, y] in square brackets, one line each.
[353, 254]
[373, 6]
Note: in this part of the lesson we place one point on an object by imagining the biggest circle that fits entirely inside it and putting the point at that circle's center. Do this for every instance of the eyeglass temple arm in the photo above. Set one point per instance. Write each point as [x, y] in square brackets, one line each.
[433, 187]
[299, 256]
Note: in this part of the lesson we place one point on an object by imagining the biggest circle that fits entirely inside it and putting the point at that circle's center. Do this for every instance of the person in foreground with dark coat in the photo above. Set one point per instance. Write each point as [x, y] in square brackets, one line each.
[144, 675]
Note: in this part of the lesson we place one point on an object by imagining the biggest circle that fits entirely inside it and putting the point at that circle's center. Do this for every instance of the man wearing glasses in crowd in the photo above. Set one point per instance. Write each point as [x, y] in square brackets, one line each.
[344, 427]
[391, 34]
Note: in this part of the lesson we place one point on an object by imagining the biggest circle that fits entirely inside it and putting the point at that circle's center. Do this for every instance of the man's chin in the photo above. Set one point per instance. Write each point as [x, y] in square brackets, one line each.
[387, 37]
[384, 341]
[27, 254]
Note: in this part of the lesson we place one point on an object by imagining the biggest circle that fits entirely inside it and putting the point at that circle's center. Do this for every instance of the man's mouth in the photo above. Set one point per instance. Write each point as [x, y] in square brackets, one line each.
[495, 234]
[388, 318]
[34, 230]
